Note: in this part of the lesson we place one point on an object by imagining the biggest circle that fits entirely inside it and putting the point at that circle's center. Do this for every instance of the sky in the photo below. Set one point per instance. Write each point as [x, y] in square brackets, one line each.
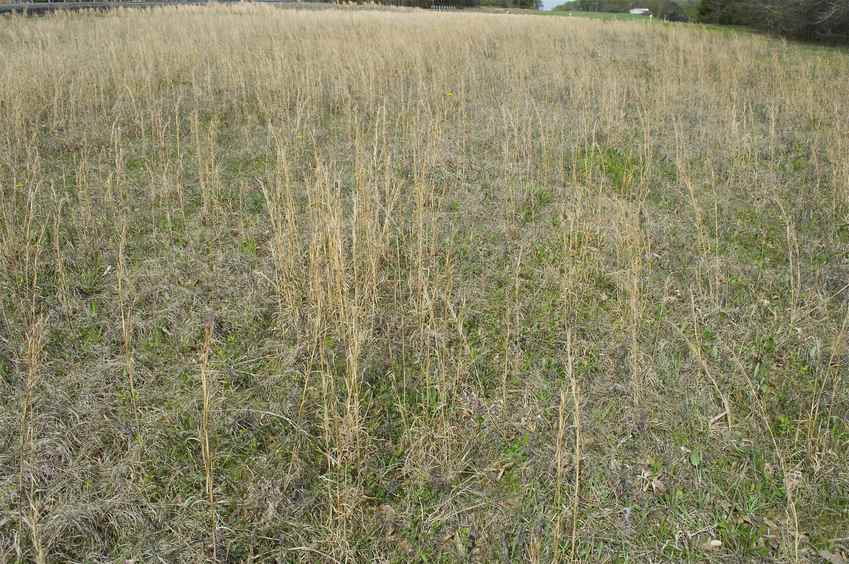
[549, 4]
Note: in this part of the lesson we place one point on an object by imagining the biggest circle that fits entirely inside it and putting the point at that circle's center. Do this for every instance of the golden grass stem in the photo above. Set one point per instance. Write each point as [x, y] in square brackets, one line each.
[206, 451]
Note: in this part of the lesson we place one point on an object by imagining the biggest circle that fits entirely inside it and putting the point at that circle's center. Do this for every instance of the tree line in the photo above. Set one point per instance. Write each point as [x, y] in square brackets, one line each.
[455, 4]
[666, 9]
[805, 19]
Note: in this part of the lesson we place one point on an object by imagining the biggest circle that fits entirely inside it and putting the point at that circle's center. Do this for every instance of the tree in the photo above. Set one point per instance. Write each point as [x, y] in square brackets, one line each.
[807, 19]
[666, 9]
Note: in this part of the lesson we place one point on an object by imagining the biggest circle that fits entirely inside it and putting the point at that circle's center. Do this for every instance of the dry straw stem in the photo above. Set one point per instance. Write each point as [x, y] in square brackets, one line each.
[125, 304]
[286, 245]
[794, 272]
[512, 321]
[206, 452]
[34, 336]
[559, 456]
[576, 406]
[63, 292]
[632, 248]
[28, 513]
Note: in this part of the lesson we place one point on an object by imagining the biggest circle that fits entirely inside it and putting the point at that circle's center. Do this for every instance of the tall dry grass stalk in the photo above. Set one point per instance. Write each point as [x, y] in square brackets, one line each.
[205, 143]
[559, 463]
[205, 431]
[28, 509]
[576, 407]
[286, 247]
[559, 457]
[29, 243]
[633, 248]
[125, 305]
[794, 271]
[63, 291]
[512, 324]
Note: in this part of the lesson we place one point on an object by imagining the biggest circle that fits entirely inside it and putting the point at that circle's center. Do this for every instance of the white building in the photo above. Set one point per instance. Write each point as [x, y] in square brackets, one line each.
[640, 12]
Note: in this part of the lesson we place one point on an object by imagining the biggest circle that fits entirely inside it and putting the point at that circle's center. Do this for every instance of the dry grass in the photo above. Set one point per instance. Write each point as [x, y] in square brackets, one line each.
[484, 287]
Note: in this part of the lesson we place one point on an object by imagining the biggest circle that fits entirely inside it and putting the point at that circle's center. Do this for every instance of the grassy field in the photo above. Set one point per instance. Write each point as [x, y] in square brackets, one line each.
[604, 16]
[399, 286]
